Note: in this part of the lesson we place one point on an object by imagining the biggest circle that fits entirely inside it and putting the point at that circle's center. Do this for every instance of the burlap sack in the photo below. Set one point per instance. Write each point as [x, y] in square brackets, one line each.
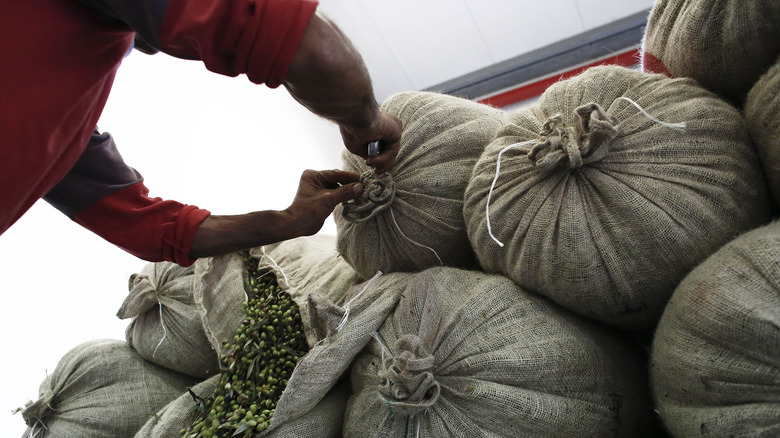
[604, 209]
[100, 389]
[310, 406]
[724, 44]
[716, 353]
[166, 324]
[762, 112]
[324, 421]
[466, 354]
[411, 218]
[182, 315]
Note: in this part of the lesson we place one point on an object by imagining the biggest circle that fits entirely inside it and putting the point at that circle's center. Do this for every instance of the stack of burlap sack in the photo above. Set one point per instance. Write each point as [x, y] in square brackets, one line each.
[601, 263]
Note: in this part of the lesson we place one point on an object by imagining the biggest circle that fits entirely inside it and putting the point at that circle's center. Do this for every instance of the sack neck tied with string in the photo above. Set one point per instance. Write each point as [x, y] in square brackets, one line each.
[407, 382]
[378, 194]
[585, 141]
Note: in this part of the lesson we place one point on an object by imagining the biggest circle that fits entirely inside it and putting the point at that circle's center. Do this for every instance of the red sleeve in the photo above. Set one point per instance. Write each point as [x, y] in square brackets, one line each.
[231, 37]
[149, 228]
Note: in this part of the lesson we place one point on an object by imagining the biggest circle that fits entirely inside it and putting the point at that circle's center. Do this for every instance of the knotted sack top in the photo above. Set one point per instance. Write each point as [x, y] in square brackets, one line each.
[604, 193]
[378, 195]
[407, 382]
[581, 143]
[411, 218]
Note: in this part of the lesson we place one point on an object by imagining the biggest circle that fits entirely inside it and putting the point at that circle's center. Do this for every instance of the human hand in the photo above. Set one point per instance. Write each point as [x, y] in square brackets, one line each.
[385, 128]
[319, 192]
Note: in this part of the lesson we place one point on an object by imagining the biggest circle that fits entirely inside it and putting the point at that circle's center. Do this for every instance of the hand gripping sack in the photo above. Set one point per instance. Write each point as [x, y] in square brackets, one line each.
[604, 207]
[100, 389]
[166, 326]
[716, 354]
[724, 44]
[411, 218]
[467, 354]
[762, 112]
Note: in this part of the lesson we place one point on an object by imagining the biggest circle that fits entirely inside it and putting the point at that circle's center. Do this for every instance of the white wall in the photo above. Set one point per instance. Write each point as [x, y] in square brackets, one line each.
[412, 44]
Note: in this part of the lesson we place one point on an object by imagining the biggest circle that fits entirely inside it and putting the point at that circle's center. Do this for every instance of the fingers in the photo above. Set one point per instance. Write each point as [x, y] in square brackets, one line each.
[337, 186]
[334, 177]
[387, 131]
[385, 161]
[346, 193]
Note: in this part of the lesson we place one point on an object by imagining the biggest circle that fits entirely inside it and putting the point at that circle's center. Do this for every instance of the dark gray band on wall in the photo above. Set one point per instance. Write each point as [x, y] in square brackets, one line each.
[580, 49]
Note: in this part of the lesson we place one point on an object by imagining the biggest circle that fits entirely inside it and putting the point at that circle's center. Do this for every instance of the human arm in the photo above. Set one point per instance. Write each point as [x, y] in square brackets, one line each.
[273, 42]
[327, 75]
[108, 197]
[318, 194]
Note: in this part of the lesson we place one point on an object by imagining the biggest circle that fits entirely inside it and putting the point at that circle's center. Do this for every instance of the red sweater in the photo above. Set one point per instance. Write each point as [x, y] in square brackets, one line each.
[60, 58]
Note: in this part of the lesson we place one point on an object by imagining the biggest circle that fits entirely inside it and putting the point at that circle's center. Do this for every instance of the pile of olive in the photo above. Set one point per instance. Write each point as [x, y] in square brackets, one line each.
[256, 364]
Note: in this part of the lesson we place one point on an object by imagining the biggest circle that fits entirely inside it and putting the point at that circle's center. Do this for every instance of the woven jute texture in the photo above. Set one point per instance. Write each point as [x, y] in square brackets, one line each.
[101, 388]
[467, 354]
[411, 218]
[724, 44]
[306, 265]
[166, 323]
[604, 207]
[323, 421]
[762, 112]
[716, 353]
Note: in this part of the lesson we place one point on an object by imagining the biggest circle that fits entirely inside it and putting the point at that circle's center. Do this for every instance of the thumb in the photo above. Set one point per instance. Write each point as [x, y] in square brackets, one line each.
[347, 192]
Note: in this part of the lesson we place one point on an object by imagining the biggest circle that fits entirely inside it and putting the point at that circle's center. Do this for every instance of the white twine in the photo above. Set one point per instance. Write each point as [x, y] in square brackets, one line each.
[162, 323]
[677, 126]
[392, 215]
[382, 346]
[493, 186]
[286, 281]
[37, 428]
[349, 303]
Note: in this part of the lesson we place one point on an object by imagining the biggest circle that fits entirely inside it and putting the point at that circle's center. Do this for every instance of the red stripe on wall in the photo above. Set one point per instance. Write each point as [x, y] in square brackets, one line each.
[534, 89]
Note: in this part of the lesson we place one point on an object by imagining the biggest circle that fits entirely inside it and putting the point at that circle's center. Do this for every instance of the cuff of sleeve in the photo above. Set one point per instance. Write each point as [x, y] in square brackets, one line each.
[149, 228]
[187, 225]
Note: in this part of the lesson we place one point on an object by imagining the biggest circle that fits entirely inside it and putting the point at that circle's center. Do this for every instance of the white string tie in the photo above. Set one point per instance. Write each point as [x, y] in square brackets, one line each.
[286, 281]
[392, 215]
[493, 186]
[678, 126]
[349, 303]
[382, 346]
[162, 323]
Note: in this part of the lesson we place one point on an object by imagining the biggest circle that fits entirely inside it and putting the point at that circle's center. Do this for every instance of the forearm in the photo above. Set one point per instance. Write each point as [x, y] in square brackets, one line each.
[224, 234]
[328, 76]
[317, 196]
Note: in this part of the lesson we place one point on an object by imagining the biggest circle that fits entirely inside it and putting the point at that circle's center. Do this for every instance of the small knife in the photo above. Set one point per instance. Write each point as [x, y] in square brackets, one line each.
[374, 148]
